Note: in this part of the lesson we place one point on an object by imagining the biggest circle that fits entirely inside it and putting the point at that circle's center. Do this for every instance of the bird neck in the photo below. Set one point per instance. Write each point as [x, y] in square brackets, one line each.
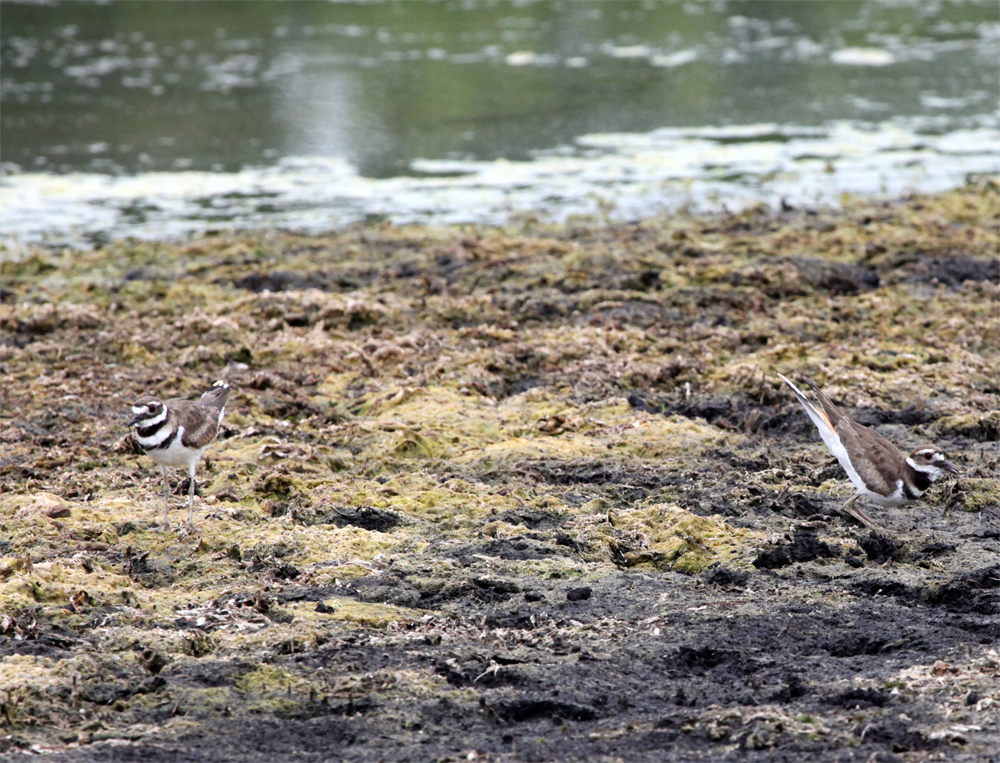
[916, 482]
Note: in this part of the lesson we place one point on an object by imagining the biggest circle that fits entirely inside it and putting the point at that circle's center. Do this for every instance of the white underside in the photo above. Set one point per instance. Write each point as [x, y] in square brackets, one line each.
[832, 440]
[896, 498]
[177, 455]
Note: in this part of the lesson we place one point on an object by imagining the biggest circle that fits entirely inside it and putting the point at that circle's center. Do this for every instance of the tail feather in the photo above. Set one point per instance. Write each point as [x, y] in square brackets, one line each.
[819, 417]
[826, 421]
[217, 396]
[833, 414]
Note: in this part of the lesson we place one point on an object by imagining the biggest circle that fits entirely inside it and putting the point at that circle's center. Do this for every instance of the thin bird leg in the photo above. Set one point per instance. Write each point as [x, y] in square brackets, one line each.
[191, 496]
[166, 493]
[859, 515]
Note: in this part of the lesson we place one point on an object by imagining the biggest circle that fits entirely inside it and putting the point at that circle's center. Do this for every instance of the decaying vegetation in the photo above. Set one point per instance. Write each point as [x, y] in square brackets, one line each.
[523, 494]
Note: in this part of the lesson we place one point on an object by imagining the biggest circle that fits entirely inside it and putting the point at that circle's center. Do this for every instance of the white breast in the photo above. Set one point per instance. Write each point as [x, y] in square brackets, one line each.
[158, 437]
[896, 498]
[177, 454]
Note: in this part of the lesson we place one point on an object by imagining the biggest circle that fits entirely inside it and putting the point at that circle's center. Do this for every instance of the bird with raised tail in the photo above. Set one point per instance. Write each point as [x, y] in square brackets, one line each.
[879, 470]
[177, 432]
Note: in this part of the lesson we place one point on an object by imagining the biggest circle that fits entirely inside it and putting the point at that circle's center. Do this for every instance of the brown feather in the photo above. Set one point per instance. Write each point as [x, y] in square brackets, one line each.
[871, 454]
[200, 422]
[833, 414]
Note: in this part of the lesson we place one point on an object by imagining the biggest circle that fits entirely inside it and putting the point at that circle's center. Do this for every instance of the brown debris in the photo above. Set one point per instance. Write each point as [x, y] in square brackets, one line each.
[437, 435]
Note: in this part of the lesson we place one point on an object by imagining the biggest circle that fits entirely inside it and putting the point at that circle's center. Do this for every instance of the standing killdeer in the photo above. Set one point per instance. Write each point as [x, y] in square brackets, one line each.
[176, 433]
[878, 469]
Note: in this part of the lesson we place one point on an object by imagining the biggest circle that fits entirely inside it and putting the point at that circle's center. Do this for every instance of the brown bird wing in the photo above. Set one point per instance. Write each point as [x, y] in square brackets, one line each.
[871, 454]
[200, 422]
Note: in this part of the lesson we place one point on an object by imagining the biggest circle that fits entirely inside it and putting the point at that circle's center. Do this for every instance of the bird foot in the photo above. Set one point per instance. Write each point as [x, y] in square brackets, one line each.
[160, 521]
[863, 518]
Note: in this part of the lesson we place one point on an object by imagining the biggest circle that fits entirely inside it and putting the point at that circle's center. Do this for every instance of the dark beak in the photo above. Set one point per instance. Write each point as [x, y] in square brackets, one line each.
[949, 467]
[135, 420]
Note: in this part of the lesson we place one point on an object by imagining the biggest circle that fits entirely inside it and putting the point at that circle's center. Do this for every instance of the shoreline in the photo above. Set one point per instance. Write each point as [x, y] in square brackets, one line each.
[601, 178]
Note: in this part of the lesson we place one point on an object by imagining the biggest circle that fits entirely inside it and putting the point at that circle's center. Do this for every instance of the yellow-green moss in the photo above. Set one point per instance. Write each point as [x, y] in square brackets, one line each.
[510, 400]
[974, 494]
[374, 615]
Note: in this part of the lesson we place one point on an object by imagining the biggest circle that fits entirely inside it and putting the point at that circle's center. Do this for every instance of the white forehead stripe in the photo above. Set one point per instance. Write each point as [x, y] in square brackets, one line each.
[137, 409]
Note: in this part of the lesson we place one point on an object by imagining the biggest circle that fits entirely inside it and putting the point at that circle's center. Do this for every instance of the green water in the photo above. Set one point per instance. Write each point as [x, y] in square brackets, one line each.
[126, 87]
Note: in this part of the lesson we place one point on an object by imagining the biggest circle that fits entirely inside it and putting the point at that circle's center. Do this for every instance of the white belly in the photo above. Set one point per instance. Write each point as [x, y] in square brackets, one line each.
[176, 455]
[896, 498]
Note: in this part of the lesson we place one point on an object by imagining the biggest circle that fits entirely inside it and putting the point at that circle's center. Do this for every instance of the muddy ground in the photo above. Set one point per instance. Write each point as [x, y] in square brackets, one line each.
[529, 494]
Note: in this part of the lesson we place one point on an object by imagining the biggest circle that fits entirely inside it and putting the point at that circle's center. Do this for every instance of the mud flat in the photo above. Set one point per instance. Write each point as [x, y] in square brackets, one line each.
[521, 494]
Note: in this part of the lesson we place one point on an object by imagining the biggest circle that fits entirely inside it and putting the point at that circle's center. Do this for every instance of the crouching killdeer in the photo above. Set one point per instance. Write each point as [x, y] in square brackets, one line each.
[176, 433]
[878, 469]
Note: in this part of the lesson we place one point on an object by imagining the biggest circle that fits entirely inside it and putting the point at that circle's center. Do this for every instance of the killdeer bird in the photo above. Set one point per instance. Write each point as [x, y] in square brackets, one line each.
[878, 469]
[176, 433]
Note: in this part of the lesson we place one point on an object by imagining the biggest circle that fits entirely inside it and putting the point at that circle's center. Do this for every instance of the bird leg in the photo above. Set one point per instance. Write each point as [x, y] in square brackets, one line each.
[191, 496]
[166, 499]
[859, 515]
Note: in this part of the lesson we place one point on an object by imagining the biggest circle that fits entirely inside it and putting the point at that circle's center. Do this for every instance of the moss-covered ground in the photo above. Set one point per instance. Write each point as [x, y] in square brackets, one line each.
[511, 494]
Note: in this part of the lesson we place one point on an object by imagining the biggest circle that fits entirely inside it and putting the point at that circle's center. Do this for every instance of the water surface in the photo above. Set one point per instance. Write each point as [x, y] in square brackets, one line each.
[162, 118]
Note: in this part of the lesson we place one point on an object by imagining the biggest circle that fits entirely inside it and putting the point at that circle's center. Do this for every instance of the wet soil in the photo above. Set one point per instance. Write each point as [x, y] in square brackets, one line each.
[528, 494]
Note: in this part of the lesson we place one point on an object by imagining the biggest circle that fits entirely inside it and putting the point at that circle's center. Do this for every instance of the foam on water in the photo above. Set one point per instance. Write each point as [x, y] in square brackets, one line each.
[619, 175]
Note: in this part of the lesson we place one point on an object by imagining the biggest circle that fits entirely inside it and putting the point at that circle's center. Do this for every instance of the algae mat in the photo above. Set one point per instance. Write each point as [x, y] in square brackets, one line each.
[507, 494]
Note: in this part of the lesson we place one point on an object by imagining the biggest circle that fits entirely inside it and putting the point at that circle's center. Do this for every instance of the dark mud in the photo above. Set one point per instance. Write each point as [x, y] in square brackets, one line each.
[498, 495]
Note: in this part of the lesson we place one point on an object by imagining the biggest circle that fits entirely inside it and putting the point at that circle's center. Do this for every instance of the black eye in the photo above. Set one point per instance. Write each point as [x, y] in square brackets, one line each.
[928, 456]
